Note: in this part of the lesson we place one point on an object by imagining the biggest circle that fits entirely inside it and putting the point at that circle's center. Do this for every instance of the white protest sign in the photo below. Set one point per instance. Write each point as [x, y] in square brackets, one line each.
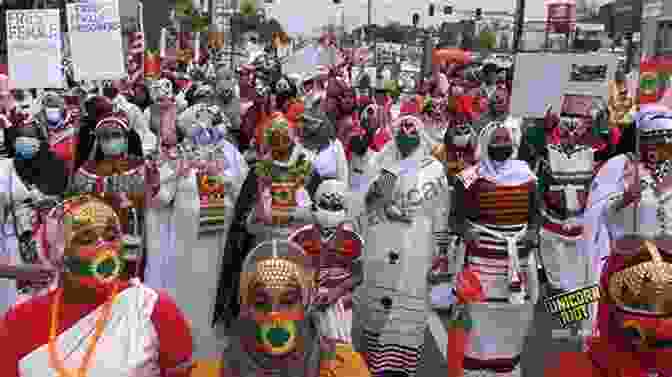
[95, 40]
[34, 48]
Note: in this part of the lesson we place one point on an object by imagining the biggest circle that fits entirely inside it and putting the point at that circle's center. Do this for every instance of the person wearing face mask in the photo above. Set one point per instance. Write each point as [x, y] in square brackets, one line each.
[402, 216]
[227, 97]
[565, 175]
[278, 283]
[94, 321]
[273, 203]
[115, 168]
[626, 198]
[61, 122]
[137, 120]
[33, 178]
[319, 137]
[494, 97]
[494, 210]
[339, 249]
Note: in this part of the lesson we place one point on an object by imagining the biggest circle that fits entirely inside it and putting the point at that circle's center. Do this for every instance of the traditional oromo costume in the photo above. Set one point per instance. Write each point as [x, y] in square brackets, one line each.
[495, 212]
[399, 235]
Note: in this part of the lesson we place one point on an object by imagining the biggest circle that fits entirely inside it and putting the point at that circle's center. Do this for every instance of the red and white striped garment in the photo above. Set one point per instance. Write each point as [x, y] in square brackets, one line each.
[385, 357]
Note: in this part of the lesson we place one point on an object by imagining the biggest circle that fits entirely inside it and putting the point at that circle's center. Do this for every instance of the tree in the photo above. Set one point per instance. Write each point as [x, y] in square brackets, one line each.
[248, 8]
[487, 40]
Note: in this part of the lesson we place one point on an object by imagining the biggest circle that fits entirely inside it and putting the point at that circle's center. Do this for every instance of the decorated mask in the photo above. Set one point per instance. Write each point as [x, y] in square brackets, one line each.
[161, 89]
[329, 208]
[93, 251]
[276, 285]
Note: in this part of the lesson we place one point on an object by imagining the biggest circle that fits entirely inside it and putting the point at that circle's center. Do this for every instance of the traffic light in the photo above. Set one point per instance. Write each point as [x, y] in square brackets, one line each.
[479, 12]
[416, 19]
[431, 10]
[447, 10]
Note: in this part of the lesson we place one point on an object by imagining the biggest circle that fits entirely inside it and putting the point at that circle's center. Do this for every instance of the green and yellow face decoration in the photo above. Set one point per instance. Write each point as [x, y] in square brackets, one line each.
[277, 337]
[276, 296]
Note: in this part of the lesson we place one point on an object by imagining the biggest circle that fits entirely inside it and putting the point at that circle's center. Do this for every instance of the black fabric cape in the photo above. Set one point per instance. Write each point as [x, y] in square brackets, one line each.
[238, 244]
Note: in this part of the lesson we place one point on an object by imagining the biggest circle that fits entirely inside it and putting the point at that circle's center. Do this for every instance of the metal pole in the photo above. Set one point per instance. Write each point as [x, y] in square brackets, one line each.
[370, 6]
[520, 24]
[342, 25]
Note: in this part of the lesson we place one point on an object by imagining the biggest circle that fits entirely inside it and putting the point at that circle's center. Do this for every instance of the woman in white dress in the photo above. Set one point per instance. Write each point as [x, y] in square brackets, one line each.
[403, 215]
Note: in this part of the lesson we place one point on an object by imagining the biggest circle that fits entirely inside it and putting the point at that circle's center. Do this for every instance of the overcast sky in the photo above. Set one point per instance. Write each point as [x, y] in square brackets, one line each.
[303, 16]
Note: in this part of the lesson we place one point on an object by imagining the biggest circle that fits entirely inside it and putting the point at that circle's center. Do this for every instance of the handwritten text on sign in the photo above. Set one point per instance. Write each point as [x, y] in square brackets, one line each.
[31, 25]
[94, 17]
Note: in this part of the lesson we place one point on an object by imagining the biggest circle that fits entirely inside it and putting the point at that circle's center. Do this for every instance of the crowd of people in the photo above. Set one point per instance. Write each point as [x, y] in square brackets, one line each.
[346, 223]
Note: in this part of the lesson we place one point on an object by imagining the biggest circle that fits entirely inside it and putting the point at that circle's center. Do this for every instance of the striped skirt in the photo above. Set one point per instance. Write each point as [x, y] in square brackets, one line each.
[500, 325]
[393, 329]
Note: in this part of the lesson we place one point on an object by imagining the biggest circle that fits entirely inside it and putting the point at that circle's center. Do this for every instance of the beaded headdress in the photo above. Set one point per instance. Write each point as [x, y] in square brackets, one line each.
[645, 286]
[74, 215]
[113, 121]
[277, 264]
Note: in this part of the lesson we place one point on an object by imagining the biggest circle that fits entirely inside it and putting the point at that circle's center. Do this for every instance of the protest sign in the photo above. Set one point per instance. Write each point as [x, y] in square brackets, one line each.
[34, 48]
[95, 40]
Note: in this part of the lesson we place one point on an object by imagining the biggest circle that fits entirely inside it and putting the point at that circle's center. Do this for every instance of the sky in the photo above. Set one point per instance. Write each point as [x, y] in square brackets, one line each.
[304, 16]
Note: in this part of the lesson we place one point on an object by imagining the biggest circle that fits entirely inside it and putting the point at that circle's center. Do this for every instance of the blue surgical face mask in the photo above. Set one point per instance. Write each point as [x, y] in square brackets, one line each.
[114, 147]
[54, 115]
[26, 147]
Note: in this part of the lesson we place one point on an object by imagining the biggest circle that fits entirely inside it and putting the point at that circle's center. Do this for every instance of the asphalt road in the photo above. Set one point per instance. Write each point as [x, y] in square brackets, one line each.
[541, 343]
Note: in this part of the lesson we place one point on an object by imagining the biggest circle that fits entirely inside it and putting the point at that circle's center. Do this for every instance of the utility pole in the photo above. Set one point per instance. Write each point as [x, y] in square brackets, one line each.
[370, 6]
[520, 24]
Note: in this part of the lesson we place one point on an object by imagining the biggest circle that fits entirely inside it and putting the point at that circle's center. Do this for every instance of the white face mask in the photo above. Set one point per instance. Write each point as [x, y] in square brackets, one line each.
[329, 219]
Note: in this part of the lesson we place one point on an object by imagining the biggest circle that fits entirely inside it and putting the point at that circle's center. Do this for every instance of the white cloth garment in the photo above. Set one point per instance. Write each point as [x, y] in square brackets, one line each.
[174, 222]
[128, 347]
